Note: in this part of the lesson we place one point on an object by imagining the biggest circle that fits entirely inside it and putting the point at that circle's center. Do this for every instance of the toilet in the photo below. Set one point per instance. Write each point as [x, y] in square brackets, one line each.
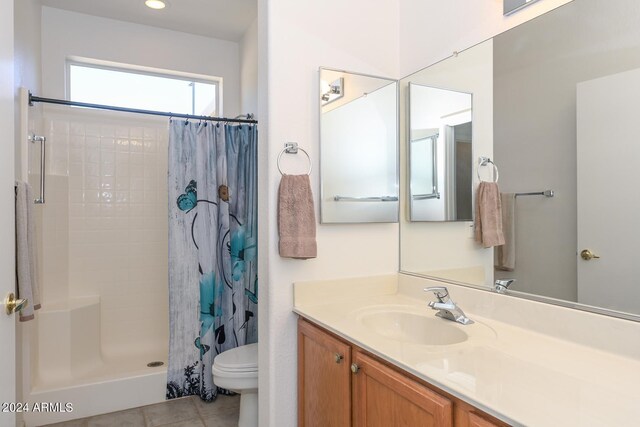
[237, 371]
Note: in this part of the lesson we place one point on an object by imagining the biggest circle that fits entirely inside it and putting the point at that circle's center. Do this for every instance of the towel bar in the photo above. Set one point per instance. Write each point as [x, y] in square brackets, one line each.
[366, 199]
[546, 193]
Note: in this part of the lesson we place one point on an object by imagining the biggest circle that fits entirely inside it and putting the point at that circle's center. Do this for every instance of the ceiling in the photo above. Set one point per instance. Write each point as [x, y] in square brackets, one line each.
[220, 19]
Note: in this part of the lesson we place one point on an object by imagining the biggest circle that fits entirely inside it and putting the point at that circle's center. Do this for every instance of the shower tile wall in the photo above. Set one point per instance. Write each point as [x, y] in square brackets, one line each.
[116, 200]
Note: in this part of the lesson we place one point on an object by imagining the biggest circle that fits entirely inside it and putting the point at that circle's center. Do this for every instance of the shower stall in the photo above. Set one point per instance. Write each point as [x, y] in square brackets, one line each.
[100, 340]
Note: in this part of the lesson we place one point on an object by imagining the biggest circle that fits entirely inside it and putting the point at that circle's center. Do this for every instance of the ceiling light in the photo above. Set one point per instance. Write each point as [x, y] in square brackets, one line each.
[155, 4]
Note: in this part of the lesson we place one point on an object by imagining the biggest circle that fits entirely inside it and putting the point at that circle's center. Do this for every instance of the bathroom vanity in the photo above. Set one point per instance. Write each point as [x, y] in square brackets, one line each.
[341, 384]
[560, 346]
[370, 352]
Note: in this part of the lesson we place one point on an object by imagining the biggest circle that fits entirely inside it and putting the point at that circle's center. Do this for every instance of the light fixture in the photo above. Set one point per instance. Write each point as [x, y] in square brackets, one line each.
[331, 92]
[155, 4]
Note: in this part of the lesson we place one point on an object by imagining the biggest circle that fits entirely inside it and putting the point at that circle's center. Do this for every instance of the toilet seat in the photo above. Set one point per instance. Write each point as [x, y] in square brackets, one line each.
[243, 359]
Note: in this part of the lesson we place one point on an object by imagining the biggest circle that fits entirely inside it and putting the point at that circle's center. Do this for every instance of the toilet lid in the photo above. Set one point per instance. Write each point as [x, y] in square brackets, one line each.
[243, 358]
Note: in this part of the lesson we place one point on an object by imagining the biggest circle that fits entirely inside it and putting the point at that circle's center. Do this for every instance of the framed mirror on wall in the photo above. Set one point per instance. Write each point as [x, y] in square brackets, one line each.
[440, 154]
[358, 147]
[559, 107]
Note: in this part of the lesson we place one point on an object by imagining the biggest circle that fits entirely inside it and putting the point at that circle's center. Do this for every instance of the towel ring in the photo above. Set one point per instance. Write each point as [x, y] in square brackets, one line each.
[292, 148]
[483, 161]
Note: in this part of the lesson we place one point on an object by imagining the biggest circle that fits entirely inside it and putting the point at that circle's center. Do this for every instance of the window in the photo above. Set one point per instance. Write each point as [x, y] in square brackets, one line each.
[142, 89]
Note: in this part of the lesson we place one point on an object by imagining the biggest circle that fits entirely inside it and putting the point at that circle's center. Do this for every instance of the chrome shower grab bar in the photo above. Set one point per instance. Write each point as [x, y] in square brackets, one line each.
[546, 193]
[366, 199]
[41, 139]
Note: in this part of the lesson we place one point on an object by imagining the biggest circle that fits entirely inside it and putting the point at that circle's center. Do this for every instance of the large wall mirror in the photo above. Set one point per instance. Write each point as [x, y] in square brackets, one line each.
[358, 147]
[555, 107]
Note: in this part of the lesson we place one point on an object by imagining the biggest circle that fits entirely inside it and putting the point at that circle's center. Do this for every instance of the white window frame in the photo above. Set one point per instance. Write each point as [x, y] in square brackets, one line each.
[148, 71]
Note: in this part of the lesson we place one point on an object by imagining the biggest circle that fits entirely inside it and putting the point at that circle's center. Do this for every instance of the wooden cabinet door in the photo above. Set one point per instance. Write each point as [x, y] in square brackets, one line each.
[324, 379]
[476, 420]
[382, 397]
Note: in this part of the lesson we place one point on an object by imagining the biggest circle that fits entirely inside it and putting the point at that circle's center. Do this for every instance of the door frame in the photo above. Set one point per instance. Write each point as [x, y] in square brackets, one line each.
[7, 212]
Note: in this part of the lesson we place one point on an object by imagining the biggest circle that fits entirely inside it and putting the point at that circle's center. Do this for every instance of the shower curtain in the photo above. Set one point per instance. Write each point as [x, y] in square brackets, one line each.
[213, 284]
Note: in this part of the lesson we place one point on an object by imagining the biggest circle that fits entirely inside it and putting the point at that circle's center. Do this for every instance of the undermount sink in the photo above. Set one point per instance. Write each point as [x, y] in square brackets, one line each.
[424, 329]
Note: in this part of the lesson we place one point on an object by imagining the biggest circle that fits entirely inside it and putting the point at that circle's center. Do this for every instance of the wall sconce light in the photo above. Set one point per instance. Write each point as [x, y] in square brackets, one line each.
[329, 92]
[512, 6]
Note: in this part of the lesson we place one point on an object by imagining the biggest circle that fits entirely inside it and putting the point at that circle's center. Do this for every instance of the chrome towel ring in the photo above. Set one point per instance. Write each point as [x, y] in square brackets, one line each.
[292, 148]
[483, 161]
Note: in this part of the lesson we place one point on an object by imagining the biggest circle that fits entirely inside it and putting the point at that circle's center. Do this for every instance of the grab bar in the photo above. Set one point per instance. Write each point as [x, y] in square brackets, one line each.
[41, 139]
[426, 196]
[366, 199]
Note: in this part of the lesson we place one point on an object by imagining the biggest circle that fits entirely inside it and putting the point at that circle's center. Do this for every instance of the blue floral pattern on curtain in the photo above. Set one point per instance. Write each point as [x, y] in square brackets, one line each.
[213, 281]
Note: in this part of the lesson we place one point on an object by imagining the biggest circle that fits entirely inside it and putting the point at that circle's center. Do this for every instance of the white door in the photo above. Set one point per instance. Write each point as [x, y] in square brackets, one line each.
[608, 155]
[7, 268]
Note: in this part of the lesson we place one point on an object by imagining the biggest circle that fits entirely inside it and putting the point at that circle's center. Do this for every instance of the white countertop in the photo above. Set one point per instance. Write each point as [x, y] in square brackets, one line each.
[518, 375]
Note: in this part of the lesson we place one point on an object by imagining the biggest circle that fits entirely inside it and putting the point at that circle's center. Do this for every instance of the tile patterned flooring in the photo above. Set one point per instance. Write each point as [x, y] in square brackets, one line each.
[186, 412]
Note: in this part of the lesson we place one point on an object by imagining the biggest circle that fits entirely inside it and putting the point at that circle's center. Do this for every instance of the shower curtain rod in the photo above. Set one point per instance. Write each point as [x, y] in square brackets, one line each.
[33, 99]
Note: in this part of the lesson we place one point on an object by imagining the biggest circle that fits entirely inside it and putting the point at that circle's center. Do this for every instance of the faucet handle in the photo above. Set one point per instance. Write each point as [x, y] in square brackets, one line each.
[440, 292]
[501, 285]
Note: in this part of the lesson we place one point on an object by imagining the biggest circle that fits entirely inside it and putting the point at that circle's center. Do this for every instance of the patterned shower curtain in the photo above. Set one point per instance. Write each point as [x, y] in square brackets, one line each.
[213, 282]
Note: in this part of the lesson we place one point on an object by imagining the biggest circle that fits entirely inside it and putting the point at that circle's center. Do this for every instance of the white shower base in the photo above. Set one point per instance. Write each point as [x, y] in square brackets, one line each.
[72, 367]
[101, 395]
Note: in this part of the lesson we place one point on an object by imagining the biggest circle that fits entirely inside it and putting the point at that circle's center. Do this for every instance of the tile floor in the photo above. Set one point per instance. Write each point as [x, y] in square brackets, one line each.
[186, 412]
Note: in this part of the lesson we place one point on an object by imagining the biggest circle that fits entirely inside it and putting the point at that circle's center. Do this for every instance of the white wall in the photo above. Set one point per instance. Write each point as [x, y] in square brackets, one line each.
[67, 34]
[431, 30]
[7, 255]
[249, 70]
[27, 65]
[301, 37]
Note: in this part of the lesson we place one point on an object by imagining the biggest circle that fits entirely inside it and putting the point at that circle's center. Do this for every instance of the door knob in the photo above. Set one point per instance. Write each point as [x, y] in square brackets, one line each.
[587, 255]
[12, 304]
[355, 368]
[338, 357]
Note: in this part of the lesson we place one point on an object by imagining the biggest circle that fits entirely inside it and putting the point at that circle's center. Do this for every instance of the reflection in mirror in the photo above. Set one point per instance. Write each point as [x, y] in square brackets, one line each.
[447, 249]
[359, 147]
[440, 152]
[564, 117]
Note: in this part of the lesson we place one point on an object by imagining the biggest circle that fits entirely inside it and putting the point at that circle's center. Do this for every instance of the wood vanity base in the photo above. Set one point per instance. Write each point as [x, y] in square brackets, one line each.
[342, 385]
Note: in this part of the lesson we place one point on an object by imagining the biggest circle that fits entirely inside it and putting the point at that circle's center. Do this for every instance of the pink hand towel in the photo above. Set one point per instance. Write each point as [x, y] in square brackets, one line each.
[296, 218]
[489, 215]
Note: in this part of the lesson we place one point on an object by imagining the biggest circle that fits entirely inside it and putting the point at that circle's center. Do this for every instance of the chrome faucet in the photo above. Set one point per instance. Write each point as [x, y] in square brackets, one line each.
[447, 309]
[501, 285]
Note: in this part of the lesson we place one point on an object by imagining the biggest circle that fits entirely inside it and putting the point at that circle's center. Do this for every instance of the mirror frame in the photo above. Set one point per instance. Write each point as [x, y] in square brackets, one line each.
[512, 293]
[397, 151]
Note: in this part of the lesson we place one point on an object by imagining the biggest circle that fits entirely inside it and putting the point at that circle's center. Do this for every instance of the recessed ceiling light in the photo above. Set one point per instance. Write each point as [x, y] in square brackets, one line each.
[155, 4]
